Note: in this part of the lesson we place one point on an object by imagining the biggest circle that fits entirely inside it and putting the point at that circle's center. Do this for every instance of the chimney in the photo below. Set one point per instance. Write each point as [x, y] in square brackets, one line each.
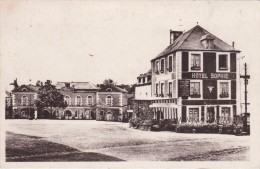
[233, 44]
[67, 85]
[174, 35]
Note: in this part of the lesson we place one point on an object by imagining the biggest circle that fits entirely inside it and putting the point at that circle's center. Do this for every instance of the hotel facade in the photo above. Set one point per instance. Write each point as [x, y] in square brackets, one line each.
[195, 79]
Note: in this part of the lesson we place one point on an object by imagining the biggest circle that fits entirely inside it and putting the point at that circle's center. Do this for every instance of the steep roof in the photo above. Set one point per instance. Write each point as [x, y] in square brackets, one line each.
[146, 74]
[78, 85]
[30, 88]
[191, 40]
[114, 89]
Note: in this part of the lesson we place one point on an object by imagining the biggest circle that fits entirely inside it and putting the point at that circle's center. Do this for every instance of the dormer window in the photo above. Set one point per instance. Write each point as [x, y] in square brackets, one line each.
[24, 89]
[109, 90]
[207, 41]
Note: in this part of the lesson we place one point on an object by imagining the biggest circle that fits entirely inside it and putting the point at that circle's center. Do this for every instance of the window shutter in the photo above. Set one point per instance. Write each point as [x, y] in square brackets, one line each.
[111, 101]
[76, 101]
[92, 101]
[185, 61]
[81, 101]
[233, 62]
[233, 89]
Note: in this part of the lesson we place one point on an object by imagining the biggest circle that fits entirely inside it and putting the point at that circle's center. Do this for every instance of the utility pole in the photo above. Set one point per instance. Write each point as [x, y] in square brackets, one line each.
[245, 77]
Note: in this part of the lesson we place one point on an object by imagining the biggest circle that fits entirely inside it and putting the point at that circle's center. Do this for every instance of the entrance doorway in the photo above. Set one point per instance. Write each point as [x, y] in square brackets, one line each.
[210, 114]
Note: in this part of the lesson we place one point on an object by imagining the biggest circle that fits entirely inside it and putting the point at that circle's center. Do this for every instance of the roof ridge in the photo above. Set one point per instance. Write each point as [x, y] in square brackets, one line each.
[191, 30]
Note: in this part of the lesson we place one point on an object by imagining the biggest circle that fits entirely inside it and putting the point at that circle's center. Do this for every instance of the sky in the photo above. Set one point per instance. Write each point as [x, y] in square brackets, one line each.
[95, 40]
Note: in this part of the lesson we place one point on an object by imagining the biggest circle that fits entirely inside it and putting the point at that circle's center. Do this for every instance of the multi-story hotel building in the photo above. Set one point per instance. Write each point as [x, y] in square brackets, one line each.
[195, 78]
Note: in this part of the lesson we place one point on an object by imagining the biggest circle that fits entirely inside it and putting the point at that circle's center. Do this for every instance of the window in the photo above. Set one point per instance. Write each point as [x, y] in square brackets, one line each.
[156, 89]
[24, 100]
[78, 101]
[109, 100]
[193, 114]
[195, 90]
[139, 80]
[157, 66]
[76, 113]
[101, 113]
[225, 111]
[225, 114]
[170, 63]
[223, 62]
[195, 62]
[170, 89]
[162, 89]
[162, 66]
[24, 89]
[110, 90]
[143, 79]
[67, 100]
[224, 89]
[89, 101]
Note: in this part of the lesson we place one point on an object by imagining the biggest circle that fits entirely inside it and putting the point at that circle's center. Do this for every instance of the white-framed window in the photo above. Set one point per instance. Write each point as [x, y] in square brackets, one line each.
[195, 62]
[194, 114]
[170, 61]
[162, 65]
[78, 100]
[226, 114]
[109, 100]
[24, 101]
[223, 62]
[67, 99]
[162, 90]
[157, 66]
[170, 89]
[89, 100]
[157, 89]
[196, 89]
[224, 89]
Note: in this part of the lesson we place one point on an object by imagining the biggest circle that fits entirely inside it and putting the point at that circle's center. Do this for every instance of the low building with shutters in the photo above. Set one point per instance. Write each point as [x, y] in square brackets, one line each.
[195, 78]
[80, 98]
[112, 103]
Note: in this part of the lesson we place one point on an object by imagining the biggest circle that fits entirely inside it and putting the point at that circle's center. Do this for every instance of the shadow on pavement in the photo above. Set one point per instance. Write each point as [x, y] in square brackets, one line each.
[25, 148]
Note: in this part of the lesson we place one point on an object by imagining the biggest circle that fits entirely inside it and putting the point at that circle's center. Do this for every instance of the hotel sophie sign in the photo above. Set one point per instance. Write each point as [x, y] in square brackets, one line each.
[184, 84]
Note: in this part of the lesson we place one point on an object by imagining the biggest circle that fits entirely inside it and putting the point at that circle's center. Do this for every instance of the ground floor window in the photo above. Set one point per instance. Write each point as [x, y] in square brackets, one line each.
[193, 114]
[225, 112]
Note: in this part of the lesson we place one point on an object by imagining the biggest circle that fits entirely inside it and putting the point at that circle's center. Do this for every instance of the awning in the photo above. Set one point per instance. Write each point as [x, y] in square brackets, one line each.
[170, 105]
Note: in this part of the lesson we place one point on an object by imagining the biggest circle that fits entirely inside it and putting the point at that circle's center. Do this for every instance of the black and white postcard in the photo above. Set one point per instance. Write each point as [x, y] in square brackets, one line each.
[129, 84]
